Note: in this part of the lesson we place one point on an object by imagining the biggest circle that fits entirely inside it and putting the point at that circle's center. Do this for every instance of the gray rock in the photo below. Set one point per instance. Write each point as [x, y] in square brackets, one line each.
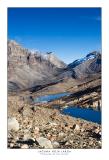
[61, 134]
[53, 124]
[26, 137]
[36, 129]
[67, 143]
[11, 145]
[100, 142]
[100, 133]
[55, 144]
[76, 127]
[44, 142]
[25, 146]
[27, 112]
[13, 124]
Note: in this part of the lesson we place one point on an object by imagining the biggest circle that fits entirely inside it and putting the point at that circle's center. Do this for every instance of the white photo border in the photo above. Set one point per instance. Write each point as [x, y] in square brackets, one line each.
[33, 154]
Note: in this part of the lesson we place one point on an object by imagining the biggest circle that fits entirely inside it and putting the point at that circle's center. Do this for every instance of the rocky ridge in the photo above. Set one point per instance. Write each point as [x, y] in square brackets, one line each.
[34, 70]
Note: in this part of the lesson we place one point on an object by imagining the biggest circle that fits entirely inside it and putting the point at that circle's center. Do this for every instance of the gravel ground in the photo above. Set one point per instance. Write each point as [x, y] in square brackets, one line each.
[38, 127]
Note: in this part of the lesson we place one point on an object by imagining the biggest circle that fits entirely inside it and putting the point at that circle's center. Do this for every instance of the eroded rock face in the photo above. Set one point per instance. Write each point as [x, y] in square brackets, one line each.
[26, 69]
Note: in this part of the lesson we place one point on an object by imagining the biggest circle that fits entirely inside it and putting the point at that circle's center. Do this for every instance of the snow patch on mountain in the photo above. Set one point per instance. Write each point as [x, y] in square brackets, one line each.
[79, 61]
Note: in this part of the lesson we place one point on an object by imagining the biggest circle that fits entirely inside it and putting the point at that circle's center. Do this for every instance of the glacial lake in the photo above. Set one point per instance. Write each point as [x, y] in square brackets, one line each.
[51, 97]
[74, 111]
[84, 113]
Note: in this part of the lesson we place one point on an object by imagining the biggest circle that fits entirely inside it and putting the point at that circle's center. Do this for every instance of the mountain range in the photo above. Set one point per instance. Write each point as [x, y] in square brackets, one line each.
[28, 70]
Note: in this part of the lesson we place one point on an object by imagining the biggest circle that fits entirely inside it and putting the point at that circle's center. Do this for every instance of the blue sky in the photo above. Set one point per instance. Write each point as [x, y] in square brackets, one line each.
[70, 33]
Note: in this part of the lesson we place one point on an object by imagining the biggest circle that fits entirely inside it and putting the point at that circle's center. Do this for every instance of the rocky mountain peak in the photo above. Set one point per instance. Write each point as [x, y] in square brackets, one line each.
[15, 49]
[13, 42]
[92, 55]
[50, 56]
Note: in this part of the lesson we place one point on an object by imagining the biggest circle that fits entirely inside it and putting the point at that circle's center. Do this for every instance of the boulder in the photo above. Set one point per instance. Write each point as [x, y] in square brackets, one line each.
[25, 146]
[13, 124]
[44, 142]
[26, 137]
[55, 144]
[36, 130]
[61, 134]
[76, 127]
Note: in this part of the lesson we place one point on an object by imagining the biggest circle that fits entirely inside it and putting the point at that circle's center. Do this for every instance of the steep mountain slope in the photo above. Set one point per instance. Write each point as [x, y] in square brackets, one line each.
[54, 60]
[26, 70]
[80, 61]
[87, 67]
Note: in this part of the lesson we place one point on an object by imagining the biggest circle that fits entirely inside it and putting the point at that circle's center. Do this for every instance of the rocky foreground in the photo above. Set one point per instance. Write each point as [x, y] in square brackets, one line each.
[39, 127]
